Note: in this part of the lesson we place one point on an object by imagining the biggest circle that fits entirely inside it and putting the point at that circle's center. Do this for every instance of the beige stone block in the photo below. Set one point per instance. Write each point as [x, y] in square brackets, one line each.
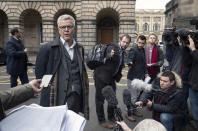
[37, 5]
[104, 3]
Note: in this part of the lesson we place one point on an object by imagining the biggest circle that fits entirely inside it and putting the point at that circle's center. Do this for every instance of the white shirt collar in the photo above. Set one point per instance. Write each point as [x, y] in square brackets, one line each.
[66, 44]
[15, 38]
[120, 45]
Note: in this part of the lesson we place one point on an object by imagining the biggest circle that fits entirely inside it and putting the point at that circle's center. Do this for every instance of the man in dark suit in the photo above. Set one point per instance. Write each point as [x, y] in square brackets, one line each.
[108, 74]
[16, 58]
[64, 59]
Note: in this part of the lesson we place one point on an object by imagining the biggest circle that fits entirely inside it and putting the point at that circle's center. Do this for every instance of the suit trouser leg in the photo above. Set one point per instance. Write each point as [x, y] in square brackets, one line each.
[74, 102]
[110, 109]
[99, 99]
[24, 78]
[135, 94]
[13, 80]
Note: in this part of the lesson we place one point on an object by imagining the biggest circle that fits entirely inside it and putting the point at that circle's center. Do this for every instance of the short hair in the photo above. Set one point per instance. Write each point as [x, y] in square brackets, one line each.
[169, 74]
[14, 30]
[127, 36]
[141, 37]
[154, 35]
[66, 17]
[149, 125]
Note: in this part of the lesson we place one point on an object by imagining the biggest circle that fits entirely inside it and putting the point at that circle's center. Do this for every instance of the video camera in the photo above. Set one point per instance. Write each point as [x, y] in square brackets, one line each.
[183, 34]
[169, 36]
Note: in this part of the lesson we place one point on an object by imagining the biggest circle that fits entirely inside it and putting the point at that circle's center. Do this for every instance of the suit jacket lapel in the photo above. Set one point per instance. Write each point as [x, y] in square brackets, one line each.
[64, 54]
[78, 51]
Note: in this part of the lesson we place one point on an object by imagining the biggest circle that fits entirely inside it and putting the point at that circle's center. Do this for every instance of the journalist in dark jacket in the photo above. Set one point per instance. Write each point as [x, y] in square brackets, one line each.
[137, 70]
[13, 97]
[108, 74]
[16, 58]
[168, 101]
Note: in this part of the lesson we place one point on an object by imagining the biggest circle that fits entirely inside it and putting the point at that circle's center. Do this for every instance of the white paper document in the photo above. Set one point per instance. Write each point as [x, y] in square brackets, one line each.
[38, 118]
[147, 79]
[46, 80]
[151, 64]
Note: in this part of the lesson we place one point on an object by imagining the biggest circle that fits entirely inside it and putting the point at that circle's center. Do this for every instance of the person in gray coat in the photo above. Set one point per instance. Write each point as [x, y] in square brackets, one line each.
[64, 59]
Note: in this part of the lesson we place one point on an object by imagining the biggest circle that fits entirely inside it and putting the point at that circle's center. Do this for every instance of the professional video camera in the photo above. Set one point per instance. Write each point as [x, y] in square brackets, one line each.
[183, 34]
[169, 36]
[110, 96]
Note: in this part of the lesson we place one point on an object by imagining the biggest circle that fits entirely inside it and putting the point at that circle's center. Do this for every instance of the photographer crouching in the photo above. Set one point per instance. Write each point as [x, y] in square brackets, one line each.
[168, 101]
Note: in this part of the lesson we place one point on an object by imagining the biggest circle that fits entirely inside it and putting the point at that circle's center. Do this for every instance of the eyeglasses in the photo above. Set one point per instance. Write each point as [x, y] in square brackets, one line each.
[66, 27]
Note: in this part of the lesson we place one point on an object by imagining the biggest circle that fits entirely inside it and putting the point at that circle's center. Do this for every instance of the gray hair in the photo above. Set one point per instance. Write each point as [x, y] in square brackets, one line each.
[149, 125]
[66, 17]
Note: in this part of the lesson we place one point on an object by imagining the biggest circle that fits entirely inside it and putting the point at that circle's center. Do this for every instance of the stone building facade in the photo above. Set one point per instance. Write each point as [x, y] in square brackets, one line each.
[150, 21]
[97, 21]
[182, 14]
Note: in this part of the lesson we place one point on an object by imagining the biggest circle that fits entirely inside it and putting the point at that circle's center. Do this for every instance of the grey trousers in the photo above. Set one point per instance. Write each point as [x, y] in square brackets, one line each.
[135, 93]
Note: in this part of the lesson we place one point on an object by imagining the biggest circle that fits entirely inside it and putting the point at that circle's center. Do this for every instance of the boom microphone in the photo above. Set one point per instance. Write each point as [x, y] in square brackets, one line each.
[110, 95]
[141, 85]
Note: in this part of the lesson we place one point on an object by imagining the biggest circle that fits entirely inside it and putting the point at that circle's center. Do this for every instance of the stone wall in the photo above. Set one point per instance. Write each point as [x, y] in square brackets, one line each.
[85, 12]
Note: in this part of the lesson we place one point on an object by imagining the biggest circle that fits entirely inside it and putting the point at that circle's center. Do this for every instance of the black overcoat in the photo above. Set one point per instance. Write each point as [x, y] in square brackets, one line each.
[16, 57]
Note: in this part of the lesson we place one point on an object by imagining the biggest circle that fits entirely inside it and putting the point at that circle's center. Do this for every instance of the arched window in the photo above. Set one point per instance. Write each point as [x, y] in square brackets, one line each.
[136, 27]
[156, 27]
[146, 27]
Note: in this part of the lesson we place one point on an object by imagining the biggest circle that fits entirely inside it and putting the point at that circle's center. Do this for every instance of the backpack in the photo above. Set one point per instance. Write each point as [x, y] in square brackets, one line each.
[96, 56]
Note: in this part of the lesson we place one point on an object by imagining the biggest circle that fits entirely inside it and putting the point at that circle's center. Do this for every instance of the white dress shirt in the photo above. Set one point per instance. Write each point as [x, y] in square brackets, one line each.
[70, 49]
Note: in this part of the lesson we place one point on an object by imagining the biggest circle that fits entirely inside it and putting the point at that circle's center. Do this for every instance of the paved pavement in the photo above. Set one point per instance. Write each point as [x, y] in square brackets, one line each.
[92, 124]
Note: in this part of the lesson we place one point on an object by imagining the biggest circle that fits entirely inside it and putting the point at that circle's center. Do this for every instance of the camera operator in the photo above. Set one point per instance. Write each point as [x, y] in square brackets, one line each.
[169, 38]
[193, 79]
[167, 102]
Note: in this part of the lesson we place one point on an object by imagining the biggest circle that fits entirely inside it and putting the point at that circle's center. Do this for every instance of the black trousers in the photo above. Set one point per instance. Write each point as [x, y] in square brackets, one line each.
[99, 99]
[23, 77]
[74, 102]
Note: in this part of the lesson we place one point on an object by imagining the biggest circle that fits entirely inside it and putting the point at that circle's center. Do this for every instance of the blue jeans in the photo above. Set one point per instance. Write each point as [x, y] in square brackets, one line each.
[193, 96]
[167, 120]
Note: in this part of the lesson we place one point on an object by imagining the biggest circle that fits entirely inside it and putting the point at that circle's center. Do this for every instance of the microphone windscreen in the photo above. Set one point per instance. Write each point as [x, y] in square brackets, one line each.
[110, 95]
[127, 97]
[141, 85]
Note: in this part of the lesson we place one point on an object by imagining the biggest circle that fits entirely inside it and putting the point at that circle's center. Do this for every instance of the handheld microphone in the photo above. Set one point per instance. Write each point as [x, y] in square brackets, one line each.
[110, 95]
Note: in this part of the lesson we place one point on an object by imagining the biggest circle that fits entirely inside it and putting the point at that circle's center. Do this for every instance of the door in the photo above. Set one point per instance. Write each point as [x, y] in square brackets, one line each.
[106, 36]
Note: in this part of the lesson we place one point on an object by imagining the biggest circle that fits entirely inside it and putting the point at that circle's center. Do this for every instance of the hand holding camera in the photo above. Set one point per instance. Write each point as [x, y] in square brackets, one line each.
[192, 44]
